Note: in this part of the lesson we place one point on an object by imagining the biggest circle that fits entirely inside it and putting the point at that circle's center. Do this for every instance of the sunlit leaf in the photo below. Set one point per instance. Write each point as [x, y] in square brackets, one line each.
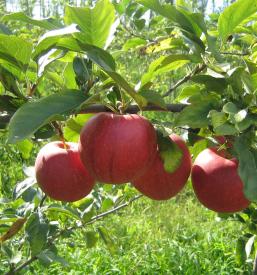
[247, 167]
[233, 15]
[32, 115]
[15, 50]
[48, 23]
[94, 24]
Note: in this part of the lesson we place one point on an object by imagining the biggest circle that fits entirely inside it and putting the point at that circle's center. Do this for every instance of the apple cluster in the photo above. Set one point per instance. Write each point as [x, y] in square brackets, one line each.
[118, 149]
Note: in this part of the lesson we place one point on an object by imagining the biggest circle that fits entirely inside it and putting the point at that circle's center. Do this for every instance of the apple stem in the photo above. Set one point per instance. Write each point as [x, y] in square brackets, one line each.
[120, 108]
[59, 131]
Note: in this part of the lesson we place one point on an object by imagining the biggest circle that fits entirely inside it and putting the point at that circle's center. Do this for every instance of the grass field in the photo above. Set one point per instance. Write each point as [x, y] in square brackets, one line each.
[174, 237]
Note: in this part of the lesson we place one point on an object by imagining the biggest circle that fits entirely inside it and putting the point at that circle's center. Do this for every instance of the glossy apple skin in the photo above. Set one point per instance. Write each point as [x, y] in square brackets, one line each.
[216, 182]
[117, 148]
[61, 174]
[157, 184]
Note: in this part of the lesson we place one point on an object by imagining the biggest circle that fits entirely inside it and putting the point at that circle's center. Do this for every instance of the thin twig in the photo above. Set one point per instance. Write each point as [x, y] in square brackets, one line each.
[28, 262]
[134, 34]
[42, 201]
[187, 77]
[97, 217]
[235, 53]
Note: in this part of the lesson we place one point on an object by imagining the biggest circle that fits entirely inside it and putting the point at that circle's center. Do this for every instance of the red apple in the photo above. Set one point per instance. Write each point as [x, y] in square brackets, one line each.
[158, 184]
[60, 172]
[117, 148]
[216, 182]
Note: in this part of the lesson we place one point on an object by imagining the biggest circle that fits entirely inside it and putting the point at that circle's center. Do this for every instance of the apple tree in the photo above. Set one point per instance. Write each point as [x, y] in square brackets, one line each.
[194, 76]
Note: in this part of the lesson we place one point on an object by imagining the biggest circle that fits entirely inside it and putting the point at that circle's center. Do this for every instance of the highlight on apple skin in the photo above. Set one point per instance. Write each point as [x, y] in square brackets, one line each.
[158, 184]
[117, 148]
[60, 172]
[216, 182]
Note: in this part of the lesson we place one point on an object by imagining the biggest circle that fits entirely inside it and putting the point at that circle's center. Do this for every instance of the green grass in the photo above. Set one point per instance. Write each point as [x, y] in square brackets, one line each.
[174, 237]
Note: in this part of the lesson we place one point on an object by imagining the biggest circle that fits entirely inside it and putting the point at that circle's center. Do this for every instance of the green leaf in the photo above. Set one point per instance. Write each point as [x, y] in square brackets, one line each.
[211, 83]
[60, 39]
[104, 234]
[45, 132]
[91, 239]
[233, 15]
[83, 70]
[106, 204]
[244, 124]
[226, 129]
[74, 125]
[83, 203]
[240, 80]
[22, 186]
[69, 77]
[247, 167]
[154, 98]
[170, 153]
[250, 244]
[88, 213]
[33, 115]
[220, 123]
[195, 115]
[25, 147]
[15, 50]
[133, 43]
[94, 24]
[121, 6]
[36, 234]
[164, 64]
[48, 257]
[102, 58]
[65, 210]
[99, 56]
[198, 147]
[188, 91]
[166, 44]
[56, 40]
[217, 118]
[240, 116]
[240, 251]
[230, 108]
[170, 12]
[10, 103]
[182, 19]
[49, 23]
[140, 100]
[4, 29]
[10, 82]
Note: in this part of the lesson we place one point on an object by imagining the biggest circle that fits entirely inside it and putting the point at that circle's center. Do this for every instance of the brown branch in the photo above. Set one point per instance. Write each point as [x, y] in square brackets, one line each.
[92, 220]
[187, 77]
[133, 109]
[97, 108]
